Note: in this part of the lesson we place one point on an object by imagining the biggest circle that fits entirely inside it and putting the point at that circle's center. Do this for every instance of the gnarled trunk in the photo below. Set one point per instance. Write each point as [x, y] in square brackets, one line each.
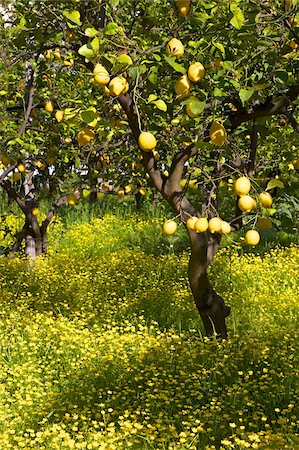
[210, 305]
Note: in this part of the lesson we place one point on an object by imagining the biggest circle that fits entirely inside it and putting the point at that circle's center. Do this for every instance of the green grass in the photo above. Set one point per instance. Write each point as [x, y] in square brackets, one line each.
[102, 346]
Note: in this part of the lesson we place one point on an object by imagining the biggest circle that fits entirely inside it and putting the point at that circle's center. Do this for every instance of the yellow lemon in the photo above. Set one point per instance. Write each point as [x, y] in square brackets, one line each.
[49, 106]
[201, 225]
[117, 85]
[252, 238]
[183, 86]
[191, 223]
[147, 141]
[85, 136]
[218, 134]
[242, 186]
[196, 72]
[175, 48]
[169, 227]
[183, 7]
[265, 199]
[246, 203]
[225, 227]
[59, 115]
[5, 160]
[101, 75]
[215, 225]
[21, 168]
[71, 200]
[35, 212]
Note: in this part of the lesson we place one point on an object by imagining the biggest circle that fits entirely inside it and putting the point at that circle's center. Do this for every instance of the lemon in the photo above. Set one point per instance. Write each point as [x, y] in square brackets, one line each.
[218, 134]
[196, 72]
[215, 225]
[225, 227]
[147, 141]
[59, 115]
[242, 186]
[117, 85]
[101, 75]
[201, 225]
[85, 136]
[71, 200]
[21, 168]
[252, 238]
[246, 203]
[49, 106]
[175, 48]
[183, 7]
[35, 212]
[191, 223]
[183, 87]
[169, 227]
[265, 199]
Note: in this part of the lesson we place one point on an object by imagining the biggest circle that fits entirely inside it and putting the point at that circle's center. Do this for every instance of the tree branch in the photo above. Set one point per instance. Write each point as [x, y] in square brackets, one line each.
[148, 160]
[6, 185]
[61, 201]
[292, 120]
[178, 162]
[253, 148]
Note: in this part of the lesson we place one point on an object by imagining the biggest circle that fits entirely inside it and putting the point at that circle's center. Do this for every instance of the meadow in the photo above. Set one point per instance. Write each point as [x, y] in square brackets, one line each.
[102, 346]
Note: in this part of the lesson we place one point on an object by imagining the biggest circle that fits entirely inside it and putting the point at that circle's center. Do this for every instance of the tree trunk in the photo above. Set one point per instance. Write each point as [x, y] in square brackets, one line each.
[210, 305]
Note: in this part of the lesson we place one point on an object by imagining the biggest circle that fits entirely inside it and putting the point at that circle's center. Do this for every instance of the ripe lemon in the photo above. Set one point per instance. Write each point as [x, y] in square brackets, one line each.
[175, 48]
[49, 106]
[246, 203]
[183, 86]
[147, 141]
[169, 227]
[252, 238]
[218, 134]
[191, 223]
[71, 200]
[105, 187]
[143, 191]
[101, 75]
[59, 115]
[120, 192]
[85, 136]
[196, 72]
[264, 224]
[201, 225]
[183, 7]
[117, 85]
[242, 186]
[35, 212]
[225, 227]
[215, 225]
[295, 163]
[265, 199]
[21, 168]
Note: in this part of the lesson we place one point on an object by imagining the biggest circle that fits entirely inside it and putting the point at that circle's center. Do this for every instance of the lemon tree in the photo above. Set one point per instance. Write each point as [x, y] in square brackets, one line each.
[175, 92]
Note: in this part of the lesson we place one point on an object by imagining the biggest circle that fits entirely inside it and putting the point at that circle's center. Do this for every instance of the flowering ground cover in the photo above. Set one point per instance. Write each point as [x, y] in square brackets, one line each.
[102, 346]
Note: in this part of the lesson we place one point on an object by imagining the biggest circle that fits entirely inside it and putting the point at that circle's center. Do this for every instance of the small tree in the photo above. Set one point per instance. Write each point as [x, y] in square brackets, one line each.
[207, 82]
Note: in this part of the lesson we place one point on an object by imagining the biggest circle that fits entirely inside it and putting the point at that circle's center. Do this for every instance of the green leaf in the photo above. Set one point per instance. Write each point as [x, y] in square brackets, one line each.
[281, 76]
[90, 51]
[151, 98]
[111, 28]
[220, 47]
[219, 93]
[153, 76]
[177, 67]
[124, 60]
[73, 17]
[3, 93]
[114, 3]
[160, 104]
[197, 107]
[246, 94]
[91, 32]
[274, 183]
[89, 114]
[238, 19]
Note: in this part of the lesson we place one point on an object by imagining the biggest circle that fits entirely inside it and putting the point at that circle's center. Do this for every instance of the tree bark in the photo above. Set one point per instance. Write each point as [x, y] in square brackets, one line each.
[210, 305]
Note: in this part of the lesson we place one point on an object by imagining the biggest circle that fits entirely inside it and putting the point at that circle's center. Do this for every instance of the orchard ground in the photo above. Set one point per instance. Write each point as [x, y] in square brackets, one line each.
[102, 346]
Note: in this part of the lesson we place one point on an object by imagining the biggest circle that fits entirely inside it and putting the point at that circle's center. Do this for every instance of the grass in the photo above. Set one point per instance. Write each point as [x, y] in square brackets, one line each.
[102, 347]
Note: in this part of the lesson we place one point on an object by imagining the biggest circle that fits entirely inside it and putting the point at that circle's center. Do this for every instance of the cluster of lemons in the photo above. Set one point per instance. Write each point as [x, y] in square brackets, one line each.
[246, 204]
